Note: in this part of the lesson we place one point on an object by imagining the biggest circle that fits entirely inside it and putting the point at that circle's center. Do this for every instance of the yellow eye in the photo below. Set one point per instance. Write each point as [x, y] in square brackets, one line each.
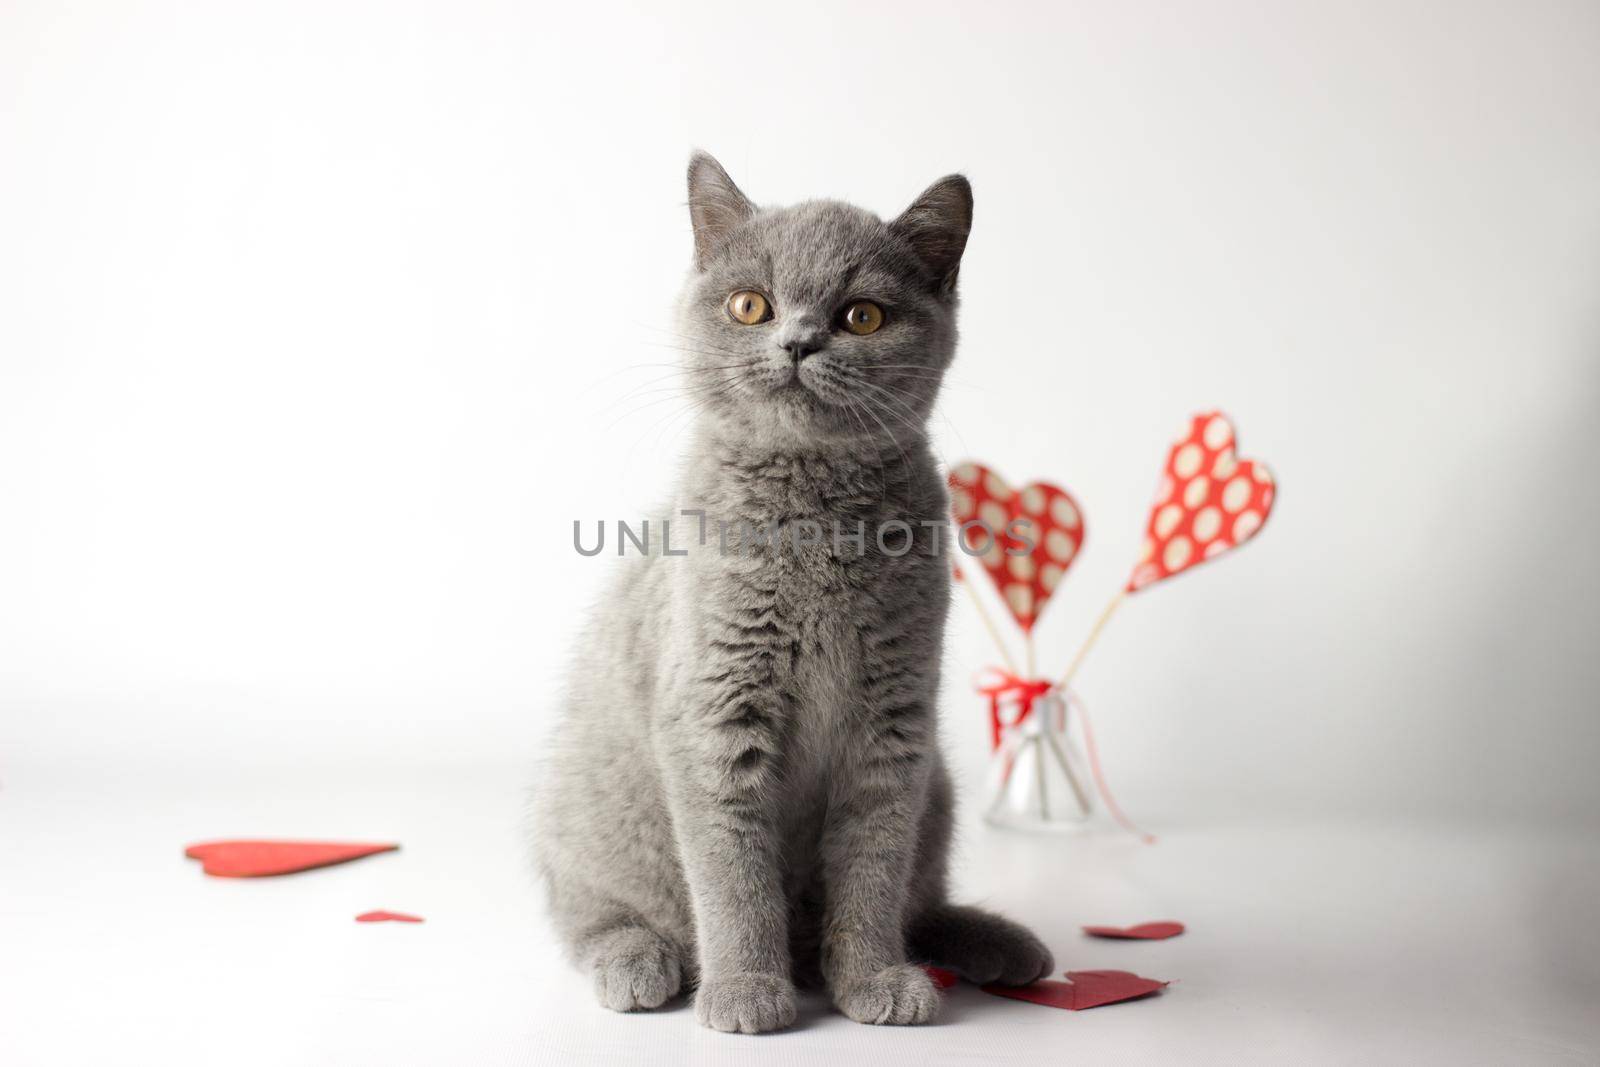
[749, 307]
[863, 317]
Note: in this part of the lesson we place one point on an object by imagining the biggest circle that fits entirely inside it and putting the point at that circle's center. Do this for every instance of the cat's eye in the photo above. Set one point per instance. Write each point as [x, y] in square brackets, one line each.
[749, 307]
[863, 317]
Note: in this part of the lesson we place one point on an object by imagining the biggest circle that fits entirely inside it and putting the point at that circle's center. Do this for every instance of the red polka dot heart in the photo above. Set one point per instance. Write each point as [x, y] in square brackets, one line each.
[1209, 501]
[1041, 515]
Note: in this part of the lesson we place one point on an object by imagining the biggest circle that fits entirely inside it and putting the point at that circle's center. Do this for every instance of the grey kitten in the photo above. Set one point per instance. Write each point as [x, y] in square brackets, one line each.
[746, 788]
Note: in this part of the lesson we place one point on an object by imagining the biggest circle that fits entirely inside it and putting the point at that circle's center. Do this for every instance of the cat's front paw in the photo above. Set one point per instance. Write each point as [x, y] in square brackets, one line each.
[745, 1003]
[902, 995]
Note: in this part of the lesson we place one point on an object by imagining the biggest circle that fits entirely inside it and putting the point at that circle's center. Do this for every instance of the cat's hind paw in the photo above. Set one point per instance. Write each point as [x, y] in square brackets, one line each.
[902, 995]
[636, 968]
[745, 1003]
[980, 946]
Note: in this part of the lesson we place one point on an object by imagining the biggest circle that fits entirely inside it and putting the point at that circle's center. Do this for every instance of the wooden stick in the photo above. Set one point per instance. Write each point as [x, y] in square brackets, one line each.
[1088, 642]
[1066, 769]
[988, 624]
[1027, 647]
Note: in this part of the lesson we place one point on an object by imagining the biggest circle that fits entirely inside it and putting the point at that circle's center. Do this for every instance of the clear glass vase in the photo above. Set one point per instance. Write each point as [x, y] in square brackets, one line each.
[1037, 776]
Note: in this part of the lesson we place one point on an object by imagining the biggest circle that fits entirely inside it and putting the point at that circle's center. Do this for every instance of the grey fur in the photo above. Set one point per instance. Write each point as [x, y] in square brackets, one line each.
[746, 788]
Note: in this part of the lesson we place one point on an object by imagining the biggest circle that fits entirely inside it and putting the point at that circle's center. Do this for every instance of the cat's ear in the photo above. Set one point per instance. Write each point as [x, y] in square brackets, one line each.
[716, 206]
[936, 227]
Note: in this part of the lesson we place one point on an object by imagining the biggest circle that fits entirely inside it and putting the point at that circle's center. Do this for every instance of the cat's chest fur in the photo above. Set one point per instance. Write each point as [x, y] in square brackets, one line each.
[796, 565]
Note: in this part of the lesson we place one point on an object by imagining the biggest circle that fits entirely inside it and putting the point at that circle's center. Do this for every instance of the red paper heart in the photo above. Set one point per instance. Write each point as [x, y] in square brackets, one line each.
[1209, 501]
[942, 978]
[1143, 932]
[381, 916]
[1087, 989]
[1046, 517]
[256, 859]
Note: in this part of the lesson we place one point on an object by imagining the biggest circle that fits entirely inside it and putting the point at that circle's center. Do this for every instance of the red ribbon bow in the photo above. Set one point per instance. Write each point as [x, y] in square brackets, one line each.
[1022, 692]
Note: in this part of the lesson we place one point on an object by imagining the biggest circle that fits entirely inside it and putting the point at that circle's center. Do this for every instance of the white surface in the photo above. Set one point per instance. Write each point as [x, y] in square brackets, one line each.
[1310, 941]
[320, 324]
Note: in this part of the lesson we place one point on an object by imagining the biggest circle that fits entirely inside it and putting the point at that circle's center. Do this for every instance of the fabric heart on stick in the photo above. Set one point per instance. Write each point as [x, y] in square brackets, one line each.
[1024, 539]
[1209, 501]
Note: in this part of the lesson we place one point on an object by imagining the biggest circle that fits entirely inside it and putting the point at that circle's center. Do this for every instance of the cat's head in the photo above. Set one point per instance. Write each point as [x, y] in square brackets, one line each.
[820, 322]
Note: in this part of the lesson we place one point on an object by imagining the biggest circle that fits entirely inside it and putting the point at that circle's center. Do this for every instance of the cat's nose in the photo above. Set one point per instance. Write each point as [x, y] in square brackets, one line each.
[802, 334]
[801, 347]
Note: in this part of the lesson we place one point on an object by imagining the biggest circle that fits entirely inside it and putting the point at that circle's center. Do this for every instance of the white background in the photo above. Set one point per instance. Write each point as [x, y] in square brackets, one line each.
[321, 323]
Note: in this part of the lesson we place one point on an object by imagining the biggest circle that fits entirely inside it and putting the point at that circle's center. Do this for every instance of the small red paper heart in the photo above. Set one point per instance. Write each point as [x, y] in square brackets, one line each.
[381, 916]
[1087, 989]
[1143, 932]
[1044, 515]
[942, 978]
[1209, 501]
[258, 859]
